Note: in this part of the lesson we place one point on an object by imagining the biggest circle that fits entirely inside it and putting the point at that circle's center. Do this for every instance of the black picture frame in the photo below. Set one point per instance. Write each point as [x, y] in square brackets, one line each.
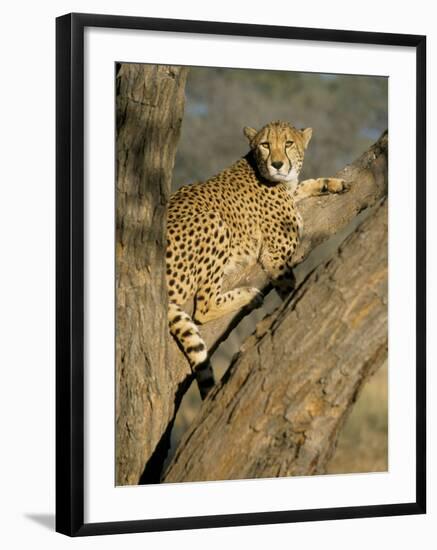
[70, 273]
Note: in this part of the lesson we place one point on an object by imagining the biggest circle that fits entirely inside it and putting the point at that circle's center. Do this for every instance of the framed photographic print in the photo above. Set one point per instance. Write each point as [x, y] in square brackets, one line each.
[240, 274]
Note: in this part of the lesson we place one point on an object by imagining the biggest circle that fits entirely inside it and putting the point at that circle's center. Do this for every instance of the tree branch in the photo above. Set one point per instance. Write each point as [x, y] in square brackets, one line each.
[150, 102]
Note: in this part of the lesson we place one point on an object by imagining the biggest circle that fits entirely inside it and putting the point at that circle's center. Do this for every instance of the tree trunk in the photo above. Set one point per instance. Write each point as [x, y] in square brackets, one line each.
[150, 102]
[281, 405]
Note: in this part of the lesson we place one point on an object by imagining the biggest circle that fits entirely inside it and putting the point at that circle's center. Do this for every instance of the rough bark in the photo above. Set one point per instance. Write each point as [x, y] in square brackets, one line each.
[285, 397]
[150, 101]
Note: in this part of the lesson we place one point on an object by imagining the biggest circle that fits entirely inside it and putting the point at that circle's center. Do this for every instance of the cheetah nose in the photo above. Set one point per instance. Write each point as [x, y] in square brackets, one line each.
[277, 164]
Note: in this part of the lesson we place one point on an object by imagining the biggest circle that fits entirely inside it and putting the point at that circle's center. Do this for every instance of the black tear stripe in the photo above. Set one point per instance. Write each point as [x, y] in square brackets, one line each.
[289, 160]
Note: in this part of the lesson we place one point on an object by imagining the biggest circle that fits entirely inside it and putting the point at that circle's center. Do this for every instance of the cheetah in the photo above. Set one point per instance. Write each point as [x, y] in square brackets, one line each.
[245, 214]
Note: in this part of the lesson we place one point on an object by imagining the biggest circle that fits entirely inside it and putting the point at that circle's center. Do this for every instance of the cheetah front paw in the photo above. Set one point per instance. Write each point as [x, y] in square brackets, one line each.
[334, 185]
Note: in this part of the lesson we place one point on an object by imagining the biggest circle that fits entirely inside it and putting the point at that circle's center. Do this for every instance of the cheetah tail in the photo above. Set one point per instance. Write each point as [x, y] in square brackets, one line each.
[188, 337]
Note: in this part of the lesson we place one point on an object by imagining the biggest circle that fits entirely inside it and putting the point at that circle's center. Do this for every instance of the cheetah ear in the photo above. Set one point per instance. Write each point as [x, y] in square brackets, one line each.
[250, 133]
[306, 136]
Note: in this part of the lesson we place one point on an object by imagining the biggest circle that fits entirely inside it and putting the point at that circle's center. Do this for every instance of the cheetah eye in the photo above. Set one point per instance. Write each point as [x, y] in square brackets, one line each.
[288, 143]
[265, 144]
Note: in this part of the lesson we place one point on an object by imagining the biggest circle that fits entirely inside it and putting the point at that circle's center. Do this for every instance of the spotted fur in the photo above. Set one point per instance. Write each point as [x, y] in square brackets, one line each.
[245, 214]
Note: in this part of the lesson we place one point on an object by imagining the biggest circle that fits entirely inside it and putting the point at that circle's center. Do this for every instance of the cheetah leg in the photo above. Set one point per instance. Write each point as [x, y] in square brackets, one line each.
[188, 338]
[211, 304]
[285, 283]
[279, 273]
[319, 186]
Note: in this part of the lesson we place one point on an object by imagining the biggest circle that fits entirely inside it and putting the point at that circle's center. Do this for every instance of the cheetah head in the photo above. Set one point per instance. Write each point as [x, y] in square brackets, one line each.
[278, 149]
